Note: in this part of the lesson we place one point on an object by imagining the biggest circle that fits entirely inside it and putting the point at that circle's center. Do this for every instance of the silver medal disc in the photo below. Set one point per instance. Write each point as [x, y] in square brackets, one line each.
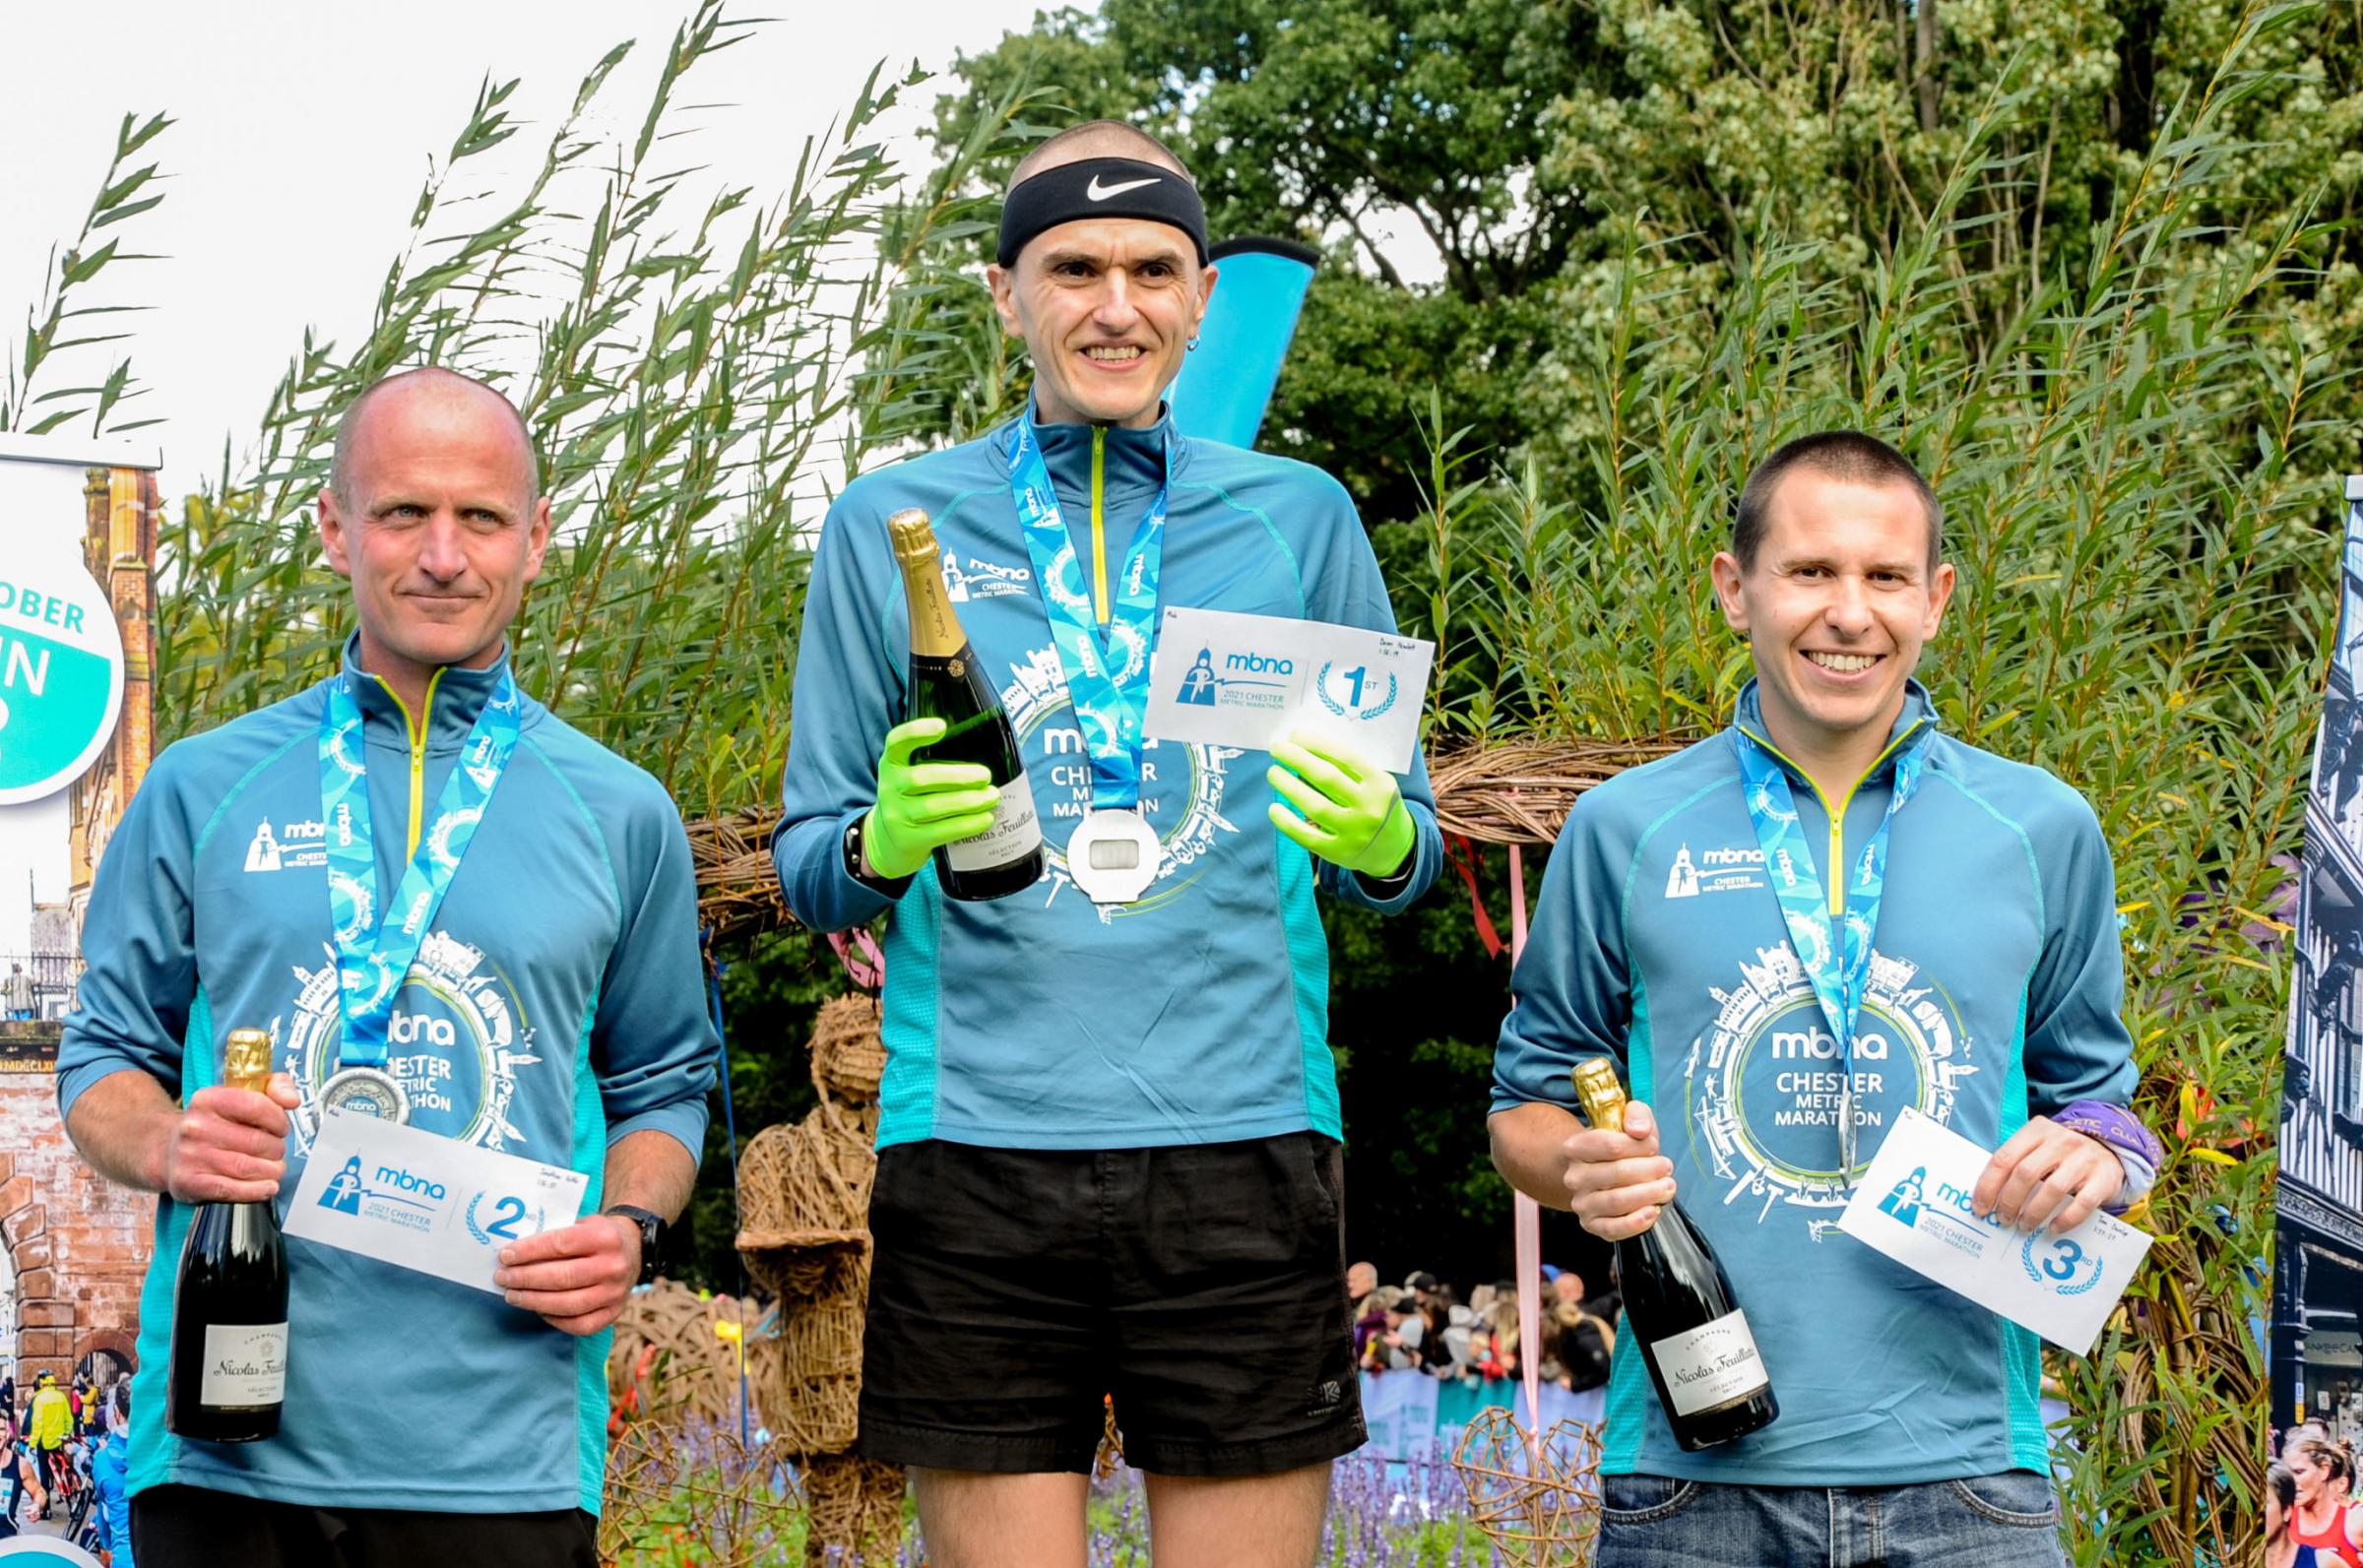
[366, 1092]
[1112, 857]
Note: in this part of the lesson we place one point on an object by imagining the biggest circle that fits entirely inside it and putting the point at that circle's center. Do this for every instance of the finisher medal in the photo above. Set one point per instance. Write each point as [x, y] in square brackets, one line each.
[1112, 856]
[366, 1092]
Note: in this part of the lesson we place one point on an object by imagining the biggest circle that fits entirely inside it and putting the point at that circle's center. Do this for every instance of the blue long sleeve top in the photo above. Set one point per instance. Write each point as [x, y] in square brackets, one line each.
[1197, 1014]
[556, 1005]
[1994, 992]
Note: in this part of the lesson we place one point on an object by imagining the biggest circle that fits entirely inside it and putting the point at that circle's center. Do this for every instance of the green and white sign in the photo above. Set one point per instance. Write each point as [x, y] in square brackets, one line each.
[61, 674]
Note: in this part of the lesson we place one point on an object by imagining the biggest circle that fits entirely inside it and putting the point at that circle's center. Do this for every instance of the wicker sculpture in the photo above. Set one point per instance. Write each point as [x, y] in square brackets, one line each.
[1538, 1504]
[668, 1363]
[804, 1200]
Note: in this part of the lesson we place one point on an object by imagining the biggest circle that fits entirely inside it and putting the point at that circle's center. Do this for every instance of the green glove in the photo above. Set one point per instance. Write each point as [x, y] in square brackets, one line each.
[923, 804]
[1347, 811]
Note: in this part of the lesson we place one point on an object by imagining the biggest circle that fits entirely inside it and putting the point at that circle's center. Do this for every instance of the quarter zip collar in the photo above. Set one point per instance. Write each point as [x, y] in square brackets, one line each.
[453, 696]
[1910, 731]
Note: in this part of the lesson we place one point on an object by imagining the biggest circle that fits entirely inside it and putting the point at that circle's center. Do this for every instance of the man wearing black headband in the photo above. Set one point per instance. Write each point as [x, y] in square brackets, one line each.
[1109, 1160]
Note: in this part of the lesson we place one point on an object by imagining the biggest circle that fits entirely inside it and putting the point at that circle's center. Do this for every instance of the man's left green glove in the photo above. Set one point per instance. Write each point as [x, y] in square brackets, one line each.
[1348, 811]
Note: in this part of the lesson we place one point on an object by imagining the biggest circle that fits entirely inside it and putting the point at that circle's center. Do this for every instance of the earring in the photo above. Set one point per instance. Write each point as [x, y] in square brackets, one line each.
[1192, 344]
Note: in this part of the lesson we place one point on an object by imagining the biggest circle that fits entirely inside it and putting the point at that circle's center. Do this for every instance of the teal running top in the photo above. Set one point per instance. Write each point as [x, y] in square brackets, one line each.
[556, 1005]
[1994, 994]
[1199, 1013]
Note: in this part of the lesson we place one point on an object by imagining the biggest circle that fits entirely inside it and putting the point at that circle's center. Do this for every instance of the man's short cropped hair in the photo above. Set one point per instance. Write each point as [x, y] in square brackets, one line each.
[1097, 139]
[1845, 454]
[340, 470]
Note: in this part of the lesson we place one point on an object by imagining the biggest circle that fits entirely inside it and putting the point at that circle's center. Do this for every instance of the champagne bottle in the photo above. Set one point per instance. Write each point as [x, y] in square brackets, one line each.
[1679, 1308]
[948, 683]
[229, 1373]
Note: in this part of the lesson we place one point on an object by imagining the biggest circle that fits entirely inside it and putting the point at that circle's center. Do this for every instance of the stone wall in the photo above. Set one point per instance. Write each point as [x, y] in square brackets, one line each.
[78, 1245]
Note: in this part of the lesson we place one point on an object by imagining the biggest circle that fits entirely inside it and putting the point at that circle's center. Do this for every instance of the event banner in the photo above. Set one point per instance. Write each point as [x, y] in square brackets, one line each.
[2317, 1368]
[76, 654]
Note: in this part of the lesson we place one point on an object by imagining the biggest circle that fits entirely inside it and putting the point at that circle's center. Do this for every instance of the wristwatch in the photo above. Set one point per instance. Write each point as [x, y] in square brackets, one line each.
[856, 868]
[652, 1231]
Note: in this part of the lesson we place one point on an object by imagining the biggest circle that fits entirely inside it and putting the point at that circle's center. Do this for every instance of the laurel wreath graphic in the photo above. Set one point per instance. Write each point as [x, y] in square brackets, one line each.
[1322, 687]
[2026, 1259]
[473, 1228]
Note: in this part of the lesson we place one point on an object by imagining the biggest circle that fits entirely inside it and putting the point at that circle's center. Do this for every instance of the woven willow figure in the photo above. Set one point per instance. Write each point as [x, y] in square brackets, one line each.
[803, 1195]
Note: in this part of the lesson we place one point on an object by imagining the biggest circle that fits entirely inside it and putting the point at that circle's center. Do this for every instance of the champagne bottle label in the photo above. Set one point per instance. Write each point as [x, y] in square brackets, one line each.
[245, 1364]
[1014, 832]
[1711, 1364]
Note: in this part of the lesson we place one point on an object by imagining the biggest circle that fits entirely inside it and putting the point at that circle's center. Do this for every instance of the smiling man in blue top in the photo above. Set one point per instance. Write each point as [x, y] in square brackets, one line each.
[1108, 1158]
[1965, 964]
[545, 1001]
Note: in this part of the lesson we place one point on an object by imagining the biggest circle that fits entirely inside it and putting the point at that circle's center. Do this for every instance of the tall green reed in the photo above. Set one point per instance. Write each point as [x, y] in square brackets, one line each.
[694, 376]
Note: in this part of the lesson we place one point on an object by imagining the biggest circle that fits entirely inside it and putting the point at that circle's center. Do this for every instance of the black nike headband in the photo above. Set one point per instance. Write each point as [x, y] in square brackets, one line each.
[1099, 187]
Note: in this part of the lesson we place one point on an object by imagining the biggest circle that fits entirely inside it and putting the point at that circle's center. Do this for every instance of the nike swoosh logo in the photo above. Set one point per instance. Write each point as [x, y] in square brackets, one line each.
[1100, 193]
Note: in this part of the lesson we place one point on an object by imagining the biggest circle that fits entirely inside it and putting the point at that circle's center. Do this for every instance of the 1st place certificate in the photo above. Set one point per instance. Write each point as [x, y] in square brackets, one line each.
[419, 1201]
[1229, 679]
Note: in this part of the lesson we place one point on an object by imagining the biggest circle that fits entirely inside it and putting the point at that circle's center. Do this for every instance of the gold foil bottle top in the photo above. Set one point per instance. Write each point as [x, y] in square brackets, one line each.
[246, 1063]
[911, 535]
[1600, 1094]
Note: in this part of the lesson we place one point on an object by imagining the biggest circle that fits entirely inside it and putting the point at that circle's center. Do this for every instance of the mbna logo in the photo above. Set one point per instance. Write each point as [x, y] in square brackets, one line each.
[1260, 663]
[402, 1180]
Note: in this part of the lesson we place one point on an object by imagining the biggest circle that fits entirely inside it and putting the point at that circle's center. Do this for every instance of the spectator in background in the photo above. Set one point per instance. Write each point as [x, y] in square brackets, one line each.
[111, 1479]
[1370, 1333]
[18, 993]
[1581, 1344]
[1361, 1280]
[1405, 1330]
[47, 1422]
[2322, 1520]
[21, 1478]
[2281, 1549]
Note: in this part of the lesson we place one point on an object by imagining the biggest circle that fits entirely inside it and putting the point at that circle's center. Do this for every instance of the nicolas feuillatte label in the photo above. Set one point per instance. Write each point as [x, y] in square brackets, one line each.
[1014, 832]
[245, 1364]
[1711, 1364]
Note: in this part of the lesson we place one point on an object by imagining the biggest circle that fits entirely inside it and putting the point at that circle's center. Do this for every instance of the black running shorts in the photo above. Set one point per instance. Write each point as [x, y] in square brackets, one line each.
[190, 1527]
[1202, 1285]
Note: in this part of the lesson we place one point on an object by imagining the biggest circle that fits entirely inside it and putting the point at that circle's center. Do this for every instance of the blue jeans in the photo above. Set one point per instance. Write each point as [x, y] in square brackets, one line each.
[2009, 1520]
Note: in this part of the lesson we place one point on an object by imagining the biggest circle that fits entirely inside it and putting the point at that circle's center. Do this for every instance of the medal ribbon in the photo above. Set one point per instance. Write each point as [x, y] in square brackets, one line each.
[1108, 683]
[374, 957]
[1838, 963]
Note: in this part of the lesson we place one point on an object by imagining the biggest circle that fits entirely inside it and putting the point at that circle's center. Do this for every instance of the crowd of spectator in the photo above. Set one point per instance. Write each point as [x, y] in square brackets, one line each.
[1423, 1326]
[68, 1443]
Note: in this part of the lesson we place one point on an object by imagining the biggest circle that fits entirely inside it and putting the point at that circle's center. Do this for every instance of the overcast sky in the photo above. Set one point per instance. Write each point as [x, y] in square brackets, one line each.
[304, 132]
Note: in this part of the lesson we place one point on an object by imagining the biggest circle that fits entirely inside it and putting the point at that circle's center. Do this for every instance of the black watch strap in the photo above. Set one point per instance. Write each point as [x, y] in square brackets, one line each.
[652, 1231]
[856, 868]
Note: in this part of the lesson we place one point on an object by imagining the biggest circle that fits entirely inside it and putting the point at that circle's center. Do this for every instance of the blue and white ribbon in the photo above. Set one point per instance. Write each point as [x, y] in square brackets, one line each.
[1106, 681]
[1836, 962]
[375, 952]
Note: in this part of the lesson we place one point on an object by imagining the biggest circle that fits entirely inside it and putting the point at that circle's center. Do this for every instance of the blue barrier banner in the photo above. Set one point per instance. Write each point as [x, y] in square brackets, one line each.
[1227, 381]
[1411, 1416]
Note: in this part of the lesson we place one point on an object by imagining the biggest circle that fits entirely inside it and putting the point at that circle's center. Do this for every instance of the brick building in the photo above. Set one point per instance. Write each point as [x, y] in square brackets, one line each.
[73, 1248]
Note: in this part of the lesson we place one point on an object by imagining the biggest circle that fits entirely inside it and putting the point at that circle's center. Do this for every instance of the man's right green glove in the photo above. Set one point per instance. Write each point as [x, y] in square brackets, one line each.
[923, 804]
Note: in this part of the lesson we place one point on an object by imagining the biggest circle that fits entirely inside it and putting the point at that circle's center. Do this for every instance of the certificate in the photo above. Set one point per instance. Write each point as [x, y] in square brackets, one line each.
[1247, 680]
[1913, 1205]
[415, 1200]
